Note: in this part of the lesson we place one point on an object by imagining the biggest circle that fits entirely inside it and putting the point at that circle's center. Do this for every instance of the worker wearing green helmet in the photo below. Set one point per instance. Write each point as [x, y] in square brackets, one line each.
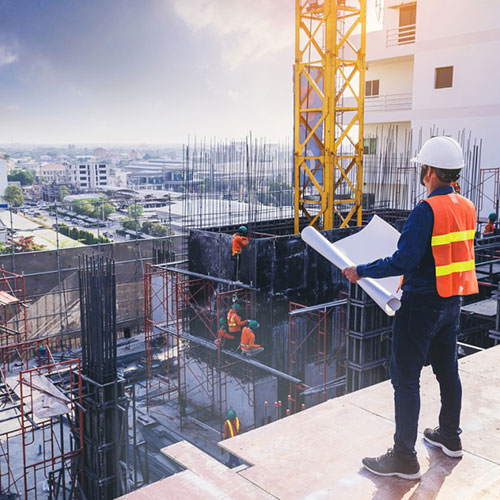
[248, 345]
[490, 226]
[223, 334]
[240, 240]
[231, 429]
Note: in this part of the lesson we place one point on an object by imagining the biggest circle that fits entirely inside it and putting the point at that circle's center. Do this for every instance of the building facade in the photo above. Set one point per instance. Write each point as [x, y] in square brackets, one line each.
[431, 68]
[89, 174]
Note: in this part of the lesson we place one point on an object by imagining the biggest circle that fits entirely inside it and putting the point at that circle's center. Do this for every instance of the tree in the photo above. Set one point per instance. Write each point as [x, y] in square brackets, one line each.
[27, 244]
[147, 226]
[103, 210]
[158, 230]
[25, 177]
[63, 192]
[130, 224]
[13, 194]
[82, 207]
[135, 211]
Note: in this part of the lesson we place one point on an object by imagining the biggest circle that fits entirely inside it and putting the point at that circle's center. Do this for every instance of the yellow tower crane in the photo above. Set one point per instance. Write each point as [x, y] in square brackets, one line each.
[329, 91]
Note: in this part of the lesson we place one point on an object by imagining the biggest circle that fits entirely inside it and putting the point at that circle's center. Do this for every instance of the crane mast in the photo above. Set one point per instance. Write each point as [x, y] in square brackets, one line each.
[329, 91]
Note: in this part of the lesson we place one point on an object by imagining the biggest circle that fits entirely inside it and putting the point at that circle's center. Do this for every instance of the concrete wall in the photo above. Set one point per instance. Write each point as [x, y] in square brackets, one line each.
[49, 291]
[203, 391]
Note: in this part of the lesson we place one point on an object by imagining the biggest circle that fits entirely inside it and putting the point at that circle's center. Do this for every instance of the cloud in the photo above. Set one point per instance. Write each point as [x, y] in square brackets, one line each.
[7, 55]
[248, 30]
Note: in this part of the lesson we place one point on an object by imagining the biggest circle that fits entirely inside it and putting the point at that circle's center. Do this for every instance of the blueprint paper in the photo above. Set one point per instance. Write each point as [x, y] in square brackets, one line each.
[376, 240]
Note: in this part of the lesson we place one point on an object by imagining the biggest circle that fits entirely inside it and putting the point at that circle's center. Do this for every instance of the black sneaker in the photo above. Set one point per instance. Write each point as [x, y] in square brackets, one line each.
[390, 465]
[452, 448]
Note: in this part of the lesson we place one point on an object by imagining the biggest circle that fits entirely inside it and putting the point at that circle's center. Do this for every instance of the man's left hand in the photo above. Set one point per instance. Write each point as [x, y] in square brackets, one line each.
[351, 274]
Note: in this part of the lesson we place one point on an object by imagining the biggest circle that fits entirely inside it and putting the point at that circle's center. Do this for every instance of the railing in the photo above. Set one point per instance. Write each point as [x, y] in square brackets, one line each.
[390, 102]
[402, 35]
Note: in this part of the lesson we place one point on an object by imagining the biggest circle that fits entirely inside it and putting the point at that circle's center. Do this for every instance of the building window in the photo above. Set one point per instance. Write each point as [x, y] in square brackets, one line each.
[370, 145]
[371, 88]
[443, 77]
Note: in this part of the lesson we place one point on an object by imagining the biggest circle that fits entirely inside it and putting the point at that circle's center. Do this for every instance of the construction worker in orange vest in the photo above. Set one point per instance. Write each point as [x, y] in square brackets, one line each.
[248, 346]
[436, 257]
[223, 333]
[240, 240]
[489, 229]
[235, 323]
[232, 429]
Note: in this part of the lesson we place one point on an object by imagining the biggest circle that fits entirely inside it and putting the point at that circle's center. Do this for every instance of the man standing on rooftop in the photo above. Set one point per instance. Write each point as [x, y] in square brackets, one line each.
[436, 257]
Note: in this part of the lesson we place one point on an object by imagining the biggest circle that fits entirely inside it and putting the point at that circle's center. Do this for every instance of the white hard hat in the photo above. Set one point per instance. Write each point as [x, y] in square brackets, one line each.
[441, 152]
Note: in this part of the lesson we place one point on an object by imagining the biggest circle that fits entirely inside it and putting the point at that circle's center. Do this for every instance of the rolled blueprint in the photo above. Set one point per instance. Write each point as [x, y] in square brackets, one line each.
[384, 298]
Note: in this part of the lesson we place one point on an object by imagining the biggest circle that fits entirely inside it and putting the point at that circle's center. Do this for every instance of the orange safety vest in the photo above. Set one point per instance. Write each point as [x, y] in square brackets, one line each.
[233, 427]
[234, 321]
[453, 244]
[223, 334]
[247, 339]
[489, 228]
[238, 242]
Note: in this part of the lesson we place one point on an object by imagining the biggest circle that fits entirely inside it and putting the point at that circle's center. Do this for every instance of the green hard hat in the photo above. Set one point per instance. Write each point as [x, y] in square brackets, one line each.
[235, 306]
[493, 216]
[243, 229]
[222, 321]
[253, 324]
[231, 414]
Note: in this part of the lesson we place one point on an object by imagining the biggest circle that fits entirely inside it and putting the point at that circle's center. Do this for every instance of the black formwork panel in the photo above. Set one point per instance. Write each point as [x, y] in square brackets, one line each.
[364, 316]
[360, 378]
[363, 350]
[368, 341]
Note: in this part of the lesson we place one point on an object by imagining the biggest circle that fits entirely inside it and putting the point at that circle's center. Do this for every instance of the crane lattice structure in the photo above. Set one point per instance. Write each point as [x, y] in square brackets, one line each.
[329, 91]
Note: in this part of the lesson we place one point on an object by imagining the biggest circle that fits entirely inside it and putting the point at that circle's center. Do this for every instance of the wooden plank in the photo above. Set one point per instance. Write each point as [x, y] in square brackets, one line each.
[181, 486]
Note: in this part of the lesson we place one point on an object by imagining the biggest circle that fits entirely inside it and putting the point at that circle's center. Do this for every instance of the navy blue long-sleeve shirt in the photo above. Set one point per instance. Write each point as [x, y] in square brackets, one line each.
[413, 258]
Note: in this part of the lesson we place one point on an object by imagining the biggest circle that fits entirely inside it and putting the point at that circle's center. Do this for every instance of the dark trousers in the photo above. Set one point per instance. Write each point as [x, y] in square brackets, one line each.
[424, 330]
[236, 266]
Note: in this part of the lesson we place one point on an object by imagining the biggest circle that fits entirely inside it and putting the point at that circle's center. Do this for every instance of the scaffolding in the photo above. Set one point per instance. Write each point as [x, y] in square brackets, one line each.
[183, 361]
[41, 412]
[13, 325]
[316, 336]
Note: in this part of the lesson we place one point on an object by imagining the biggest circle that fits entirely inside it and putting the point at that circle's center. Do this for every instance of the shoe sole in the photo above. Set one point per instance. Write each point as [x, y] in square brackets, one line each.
[446, 451]
[397, 474]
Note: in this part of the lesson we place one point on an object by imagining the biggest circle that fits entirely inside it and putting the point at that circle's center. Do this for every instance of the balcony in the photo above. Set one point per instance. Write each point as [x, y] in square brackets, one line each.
[390, 102]
[402, 35]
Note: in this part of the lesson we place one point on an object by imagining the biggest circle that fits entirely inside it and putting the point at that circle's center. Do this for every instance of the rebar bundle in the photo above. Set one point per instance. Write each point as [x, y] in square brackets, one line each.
[105, 427]
[98, 318]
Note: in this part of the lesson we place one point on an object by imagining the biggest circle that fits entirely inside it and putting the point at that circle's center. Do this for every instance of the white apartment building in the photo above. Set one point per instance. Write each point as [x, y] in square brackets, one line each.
[89, 174]
[433, 64]
[55, 173]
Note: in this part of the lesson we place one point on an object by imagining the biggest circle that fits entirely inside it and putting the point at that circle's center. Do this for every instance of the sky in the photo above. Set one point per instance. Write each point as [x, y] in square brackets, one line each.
[145, 71]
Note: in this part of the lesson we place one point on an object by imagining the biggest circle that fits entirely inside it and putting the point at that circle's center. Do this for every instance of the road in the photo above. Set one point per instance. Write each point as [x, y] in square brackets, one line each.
[50, 220]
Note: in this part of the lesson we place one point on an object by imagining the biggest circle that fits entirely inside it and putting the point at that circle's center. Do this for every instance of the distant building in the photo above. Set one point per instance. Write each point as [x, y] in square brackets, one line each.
[90, 174]
[155, 174]
[55, 173]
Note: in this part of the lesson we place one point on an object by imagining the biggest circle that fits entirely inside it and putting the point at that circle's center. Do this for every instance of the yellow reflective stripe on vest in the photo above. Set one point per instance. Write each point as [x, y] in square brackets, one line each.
[445, 239]
[456, 267]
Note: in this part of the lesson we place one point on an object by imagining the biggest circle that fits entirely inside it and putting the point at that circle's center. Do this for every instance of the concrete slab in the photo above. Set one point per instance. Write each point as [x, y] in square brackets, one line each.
[228, 483]
[316, 454]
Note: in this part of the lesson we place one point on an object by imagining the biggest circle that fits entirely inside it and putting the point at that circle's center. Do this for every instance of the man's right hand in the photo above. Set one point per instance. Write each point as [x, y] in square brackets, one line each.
[351, 274]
